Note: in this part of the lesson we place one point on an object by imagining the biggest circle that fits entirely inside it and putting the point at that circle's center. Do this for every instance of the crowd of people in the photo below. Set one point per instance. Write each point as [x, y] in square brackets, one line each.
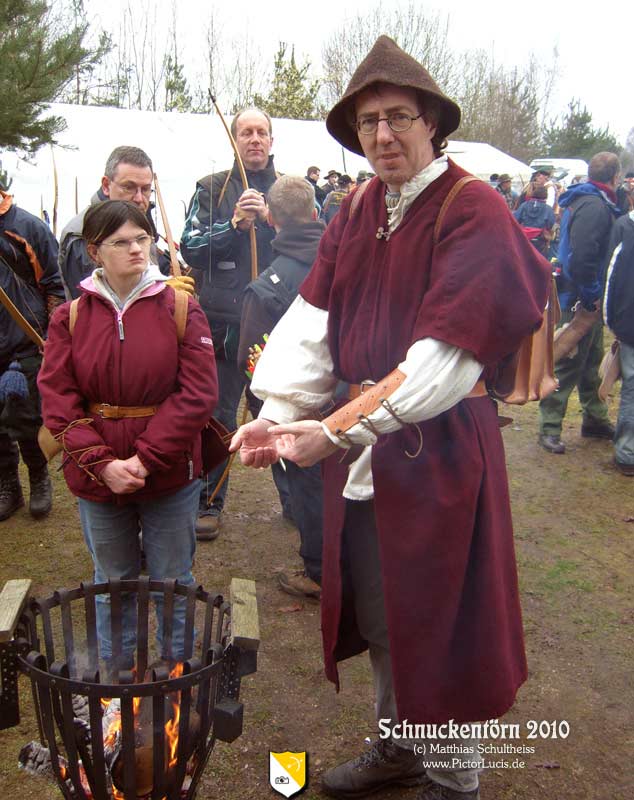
[360, 319]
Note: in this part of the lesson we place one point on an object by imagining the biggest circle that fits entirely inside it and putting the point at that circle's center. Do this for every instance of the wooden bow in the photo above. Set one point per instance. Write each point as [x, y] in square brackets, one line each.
[254, 275]
[245, 184]
[175, 267]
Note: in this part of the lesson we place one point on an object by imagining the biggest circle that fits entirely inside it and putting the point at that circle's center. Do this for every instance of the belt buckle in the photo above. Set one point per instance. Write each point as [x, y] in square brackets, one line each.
[366, 382]
[101, 408]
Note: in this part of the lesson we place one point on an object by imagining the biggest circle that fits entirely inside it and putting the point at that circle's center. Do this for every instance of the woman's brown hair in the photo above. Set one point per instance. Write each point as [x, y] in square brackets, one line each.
[103, 219]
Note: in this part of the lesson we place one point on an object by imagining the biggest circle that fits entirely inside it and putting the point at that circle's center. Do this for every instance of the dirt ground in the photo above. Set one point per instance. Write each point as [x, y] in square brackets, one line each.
[574, 531]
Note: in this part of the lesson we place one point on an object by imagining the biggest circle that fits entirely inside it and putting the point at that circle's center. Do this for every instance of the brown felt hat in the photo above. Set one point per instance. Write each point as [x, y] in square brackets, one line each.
[387, 63]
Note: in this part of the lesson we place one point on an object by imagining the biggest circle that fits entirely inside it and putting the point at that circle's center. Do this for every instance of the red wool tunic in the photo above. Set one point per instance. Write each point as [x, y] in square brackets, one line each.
[443, 518]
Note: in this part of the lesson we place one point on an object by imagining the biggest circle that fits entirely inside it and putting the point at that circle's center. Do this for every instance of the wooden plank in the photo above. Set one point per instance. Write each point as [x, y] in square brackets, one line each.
[12, 600]
[245, 626]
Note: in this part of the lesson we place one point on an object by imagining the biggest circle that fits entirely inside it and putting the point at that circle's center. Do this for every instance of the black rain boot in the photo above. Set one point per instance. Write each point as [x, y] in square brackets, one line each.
[41, 499]
[10, 494]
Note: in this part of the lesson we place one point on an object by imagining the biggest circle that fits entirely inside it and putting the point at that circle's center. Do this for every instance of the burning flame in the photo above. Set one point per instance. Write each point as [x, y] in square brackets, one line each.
[171, 727]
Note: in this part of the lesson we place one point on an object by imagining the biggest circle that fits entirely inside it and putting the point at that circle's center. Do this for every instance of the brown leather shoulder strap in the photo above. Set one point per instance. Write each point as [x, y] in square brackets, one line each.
[181, 300]
[72, 319]
[455, 189]
[357, 195]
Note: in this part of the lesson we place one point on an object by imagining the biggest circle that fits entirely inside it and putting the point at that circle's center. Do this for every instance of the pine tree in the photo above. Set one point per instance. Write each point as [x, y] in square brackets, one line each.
[291, 96]
[576, 137]
[40, 54]
[177, 94]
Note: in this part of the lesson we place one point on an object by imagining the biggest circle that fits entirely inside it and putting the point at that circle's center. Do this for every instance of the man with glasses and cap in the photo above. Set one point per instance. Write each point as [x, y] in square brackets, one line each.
[418, 559]
[128, 175]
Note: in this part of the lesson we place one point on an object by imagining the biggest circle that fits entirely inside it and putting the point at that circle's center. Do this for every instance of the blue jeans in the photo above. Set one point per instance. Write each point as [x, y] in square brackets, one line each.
[111, 532]
[305, 488]
[624, 437]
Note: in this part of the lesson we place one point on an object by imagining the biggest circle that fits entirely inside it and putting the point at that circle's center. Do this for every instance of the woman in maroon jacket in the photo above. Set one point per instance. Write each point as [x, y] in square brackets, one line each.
[127, 397]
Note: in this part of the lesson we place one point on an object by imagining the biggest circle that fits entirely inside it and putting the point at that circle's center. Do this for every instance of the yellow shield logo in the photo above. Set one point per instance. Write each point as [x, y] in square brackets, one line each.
[287, 772]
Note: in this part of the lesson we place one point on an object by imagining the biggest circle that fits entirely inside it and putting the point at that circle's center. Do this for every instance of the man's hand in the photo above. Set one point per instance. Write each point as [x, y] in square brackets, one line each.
[303, 442]
[257, 446]
[250, 205]
[119, 477]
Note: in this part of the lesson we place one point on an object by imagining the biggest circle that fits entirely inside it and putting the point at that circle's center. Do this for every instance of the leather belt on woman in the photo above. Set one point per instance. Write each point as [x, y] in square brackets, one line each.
[106, 411]
[356, 389]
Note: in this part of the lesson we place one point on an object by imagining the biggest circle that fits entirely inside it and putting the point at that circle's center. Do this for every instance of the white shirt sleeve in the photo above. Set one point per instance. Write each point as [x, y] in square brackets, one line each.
[438, 375]
[294, 375]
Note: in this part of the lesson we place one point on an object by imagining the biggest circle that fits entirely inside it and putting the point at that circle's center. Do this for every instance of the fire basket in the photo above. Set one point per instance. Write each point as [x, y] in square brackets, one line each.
[122, 734]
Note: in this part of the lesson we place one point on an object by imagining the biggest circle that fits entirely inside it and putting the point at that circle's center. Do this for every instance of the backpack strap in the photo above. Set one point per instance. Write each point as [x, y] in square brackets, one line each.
[455, 189]
[181, 303]
[357, 195]
[72, 319]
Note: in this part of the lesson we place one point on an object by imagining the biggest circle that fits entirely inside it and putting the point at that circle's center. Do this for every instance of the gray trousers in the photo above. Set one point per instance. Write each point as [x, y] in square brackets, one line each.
[624, 437]
[361, 545]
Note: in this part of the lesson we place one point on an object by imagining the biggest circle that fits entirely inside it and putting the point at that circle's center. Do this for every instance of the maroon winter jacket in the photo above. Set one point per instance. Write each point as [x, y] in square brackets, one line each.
[143, 366]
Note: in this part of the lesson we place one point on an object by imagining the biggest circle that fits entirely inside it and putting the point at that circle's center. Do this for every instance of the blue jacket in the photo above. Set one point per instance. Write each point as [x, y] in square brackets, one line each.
[588, 217]
[535, 214]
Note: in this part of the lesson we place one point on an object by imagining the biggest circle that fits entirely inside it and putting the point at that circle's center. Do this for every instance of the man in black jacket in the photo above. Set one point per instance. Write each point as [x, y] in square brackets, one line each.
[30, 278]
[589, 212]
[293, 215]
[312, 176]
[216, 244]
[618, 311]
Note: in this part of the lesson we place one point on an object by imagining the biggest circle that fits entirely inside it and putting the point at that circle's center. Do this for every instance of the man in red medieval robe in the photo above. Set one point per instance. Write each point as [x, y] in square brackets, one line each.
[418, 562]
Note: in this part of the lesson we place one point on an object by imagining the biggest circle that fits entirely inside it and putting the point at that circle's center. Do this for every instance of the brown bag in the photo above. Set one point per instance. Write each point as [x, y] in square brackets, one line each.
[568, 336]
[610, 370]
[529, 373]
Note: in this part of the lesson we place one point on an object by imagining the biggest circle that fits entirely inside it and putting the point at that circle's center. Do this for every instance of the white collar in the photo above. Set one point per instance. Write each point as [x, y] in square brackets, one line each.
[412, 188]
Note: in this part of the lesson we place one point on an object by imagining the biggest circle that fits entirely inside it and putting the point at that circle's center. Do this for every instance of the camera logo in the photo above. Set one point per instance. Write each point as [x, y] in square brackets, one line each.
[288, 772]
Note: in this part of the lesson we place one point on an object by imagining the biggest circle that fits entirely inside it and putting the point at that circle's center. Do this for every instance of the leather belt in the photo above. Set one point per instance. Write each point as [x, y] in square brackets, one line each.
[356, 389]
[106, 411]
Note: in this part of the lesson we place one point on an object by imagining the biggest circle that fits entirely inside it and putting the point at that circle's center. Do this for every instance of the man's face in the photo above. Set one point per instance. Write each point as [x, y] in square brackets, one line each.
[628, 184]
[332, 180]
[253, 139]
[129, 182]
[314, 175]
[395, 157]
[505, 186]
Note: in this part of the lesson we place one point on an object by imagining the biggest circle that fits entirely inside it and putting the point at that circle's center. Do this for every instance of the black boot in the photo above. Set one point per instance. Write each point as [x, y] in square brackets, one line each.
[10, 494]
[41, 499]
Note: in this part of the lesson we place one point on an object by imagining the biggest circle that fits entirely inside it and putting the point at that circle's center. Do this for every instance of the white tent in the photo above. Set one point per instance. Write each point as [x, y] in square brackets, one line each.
[183, 148]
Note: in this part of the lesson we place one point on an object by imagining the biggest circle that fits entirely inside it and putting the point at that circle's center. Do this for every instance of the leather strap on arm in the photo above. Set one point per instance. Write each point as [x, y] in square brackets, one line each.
[347, 416]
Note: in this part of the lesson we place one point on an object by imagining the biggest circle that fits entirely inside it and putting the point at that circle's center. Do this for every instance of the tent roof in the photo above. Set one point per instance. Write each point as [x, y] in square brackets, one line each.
[184, 148]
